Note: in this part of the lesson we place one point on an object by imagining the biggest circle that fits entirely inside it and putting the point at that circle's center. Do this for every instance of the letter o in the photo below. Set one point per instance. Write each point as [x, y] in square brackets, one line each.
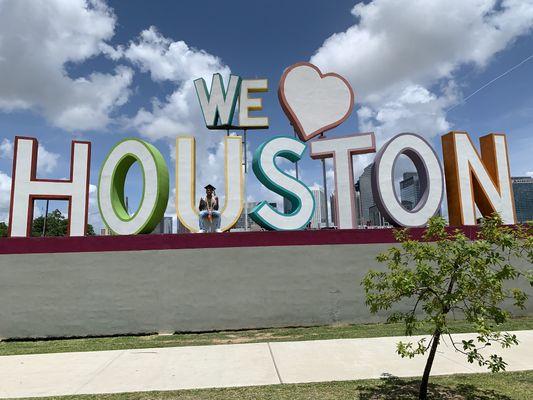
[111, 187]
[430, 176]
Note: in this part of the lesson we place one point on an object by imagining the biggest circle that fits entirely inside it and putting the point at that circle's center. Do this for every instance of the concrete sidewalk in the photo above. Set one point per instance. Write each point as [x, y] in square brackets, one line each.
[232, 365]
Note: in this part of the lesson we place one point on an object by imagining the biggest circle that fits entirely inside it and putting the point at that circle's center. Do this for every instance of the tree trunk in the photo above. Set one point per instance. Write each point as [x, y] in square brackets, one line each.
[423, 393]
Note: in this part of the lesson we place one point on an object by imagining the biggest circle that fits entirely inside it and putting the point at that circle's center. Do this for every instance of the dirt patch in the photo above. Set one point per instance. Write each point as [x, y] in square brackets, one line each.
[256, 337]
[396, 389]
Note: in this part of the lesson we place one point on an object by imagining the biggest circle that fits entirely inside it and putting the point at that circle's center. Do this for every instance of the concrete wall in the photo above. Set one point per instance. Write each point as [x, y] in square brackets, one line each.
[104, 293]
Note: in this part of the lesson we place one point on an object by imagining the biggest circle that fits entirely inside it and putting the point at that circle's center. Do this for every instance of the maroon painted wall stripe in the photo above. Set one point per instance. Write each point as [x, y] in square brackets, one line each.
[201, 240]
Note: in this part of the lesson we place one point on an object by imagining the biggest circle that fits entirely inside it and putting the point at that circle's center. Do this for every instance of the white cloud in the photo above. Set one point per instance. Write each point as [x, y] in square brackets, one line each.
[316, 186]
[94, 213]
[330, 178]
[171, 205]
[93, 99]
[419, 41]
[410, 109]
[529, 173]
[6, 148]
[292, 172]
[168, 60]
[179, 113]
[401, 56]
[5, 195]
[46, 160]
[39, 41]
[176, 62]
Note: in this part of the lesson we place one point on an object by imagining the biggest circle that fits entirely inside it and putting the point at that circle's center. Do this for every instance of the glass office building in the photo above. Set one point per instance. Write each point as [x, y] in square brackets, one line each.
[523, 198]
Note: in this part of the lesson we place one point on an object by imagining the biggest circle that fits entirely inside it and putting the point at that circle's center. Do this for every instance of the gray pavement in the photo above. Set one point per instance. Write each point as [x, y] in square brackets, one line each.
[232, 365]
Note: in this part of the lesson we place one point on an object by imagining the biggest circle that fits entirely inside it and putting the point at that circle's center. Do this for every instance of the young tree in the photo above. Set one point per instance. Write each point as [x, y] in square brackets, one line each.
[446, 273]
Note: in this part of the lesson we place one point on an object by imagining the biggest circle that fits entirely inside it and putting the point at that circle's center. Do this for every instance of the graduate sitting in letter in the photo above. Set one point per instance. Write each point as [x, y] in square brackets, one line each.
[209, 210]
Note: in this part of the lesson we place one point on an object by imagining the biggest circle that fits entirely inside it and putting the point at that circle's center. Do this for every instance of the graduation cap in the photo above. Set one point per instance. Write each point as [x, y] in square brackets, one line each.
[210, 187]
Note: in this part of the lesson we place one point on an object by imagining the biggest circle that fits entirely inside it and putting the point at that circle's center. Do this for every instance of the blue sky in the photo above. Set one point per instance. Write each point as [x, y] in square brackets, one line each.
[71, 69]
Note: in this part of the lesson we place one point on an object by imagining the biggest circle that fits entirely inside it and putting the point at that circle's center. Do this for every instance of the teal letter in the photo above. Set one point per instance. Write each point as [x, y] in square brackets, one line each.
[268, 173]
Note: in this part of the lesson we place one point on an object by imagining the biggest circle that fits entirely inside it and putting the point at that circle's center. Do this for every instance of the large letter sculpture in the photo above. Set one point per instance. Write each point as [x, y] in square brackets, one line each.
[186, 206]
[471, 179]
[314, 102]
[429, 173]
[268, 173]
[26, 187]
[247, 104]
[342, 149]
[111, 188]
[218, 105]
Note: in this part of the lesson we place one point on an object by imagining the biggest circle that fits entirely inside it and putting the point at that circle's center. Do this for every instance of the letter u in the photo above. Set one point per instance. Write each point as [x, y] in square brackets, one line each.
[186, 205]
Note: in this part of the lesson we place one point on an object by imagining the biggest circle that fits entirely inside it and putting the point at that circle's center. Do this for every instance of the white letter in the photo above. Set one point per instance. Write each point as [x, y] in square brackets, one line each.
[26, 187]
[218, 105]
[470, 179]
[342, 149]
[247, 104]
[111, 187]
[186, 206]
[429, 175]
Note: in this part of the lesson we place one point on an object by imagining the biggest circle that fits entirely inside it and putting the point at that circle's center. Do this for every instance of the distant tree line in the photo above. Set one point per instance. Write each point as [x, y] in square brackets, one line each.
[56, 225]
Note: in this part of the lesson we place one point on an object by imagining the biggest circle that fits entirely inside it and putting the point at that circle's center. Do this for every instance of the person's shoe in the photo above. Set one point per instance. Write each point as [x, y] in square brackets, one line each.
[201, 231]
[219, 231]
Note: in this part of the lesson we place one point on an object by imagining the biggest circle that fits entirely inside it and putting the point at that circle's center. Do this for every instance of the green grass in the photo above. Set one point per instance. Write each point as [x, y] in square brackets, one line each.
[501, 386]
[227, 337]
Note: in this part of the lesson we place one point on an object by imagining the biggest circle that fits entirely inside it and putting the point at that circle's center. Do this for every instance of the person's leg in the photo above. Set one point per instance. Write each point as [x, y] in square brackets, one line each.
[216, 220]
[201, 220]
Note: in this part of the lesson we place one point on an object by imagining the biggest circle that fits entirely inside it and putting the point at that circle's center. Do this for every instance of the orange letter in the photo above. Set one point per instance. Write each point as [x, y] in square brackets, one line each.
[471, 179]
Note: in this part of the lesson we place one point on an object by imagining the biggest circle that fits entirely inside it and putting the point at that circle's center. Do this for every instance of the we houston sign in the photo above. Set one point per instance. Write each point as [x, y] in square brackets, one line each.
[314, 102]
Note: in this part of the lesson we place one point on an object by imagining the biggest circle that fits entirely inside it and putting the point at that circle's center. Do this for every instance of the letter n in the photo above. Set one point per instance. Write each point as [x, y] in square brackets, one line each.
[473, 180]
